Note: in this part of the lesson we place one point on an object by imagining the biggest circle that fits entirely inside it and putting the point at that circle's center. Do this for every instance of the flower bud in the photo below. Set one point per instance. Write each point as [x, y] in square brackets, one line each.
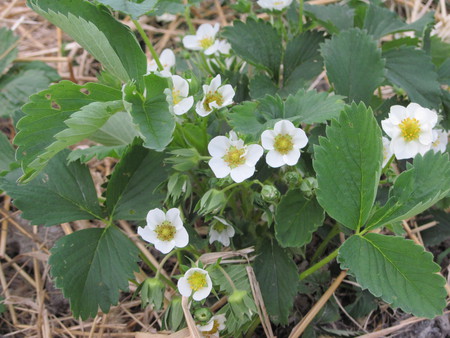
[202, 315]
[270, 193]
[309, 185]
[292, 178]
[211, 202]
[184, 159]
[152, 293]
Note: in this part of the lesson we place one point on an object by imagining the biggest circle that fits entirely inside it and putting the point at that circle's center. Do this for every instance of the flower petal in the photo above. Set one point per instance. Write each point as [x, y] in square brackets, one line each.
[219, 167]
[173, 216]
[224, 239]
[228, 93]
[165, 246]
[397, 114]
[181, 85]
[147, 234]
[291, 158]
[200, 110]
[254, 153]
[402, 149]
[284, 127]
[274, 159]
[241, 173]
[215, 83]
[183, 106]
[181, 238]
[155, 217]
[183, 287]
[191, 42]
[167, 58]
[299, 138]
[218, 146]
[268, 139]
[206, 30]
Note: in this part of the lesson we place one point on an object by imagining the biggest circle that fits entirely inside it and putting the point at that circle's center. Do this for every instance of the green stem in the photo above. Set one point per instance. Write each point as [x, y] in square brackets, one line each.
[148, 44]
[187, 17]
[251, 330]
[227, 277]
[317, 266]
[151, 266]
[388, 165]
[334, 231]
[230, 187]
[300, 16]
[164, 260]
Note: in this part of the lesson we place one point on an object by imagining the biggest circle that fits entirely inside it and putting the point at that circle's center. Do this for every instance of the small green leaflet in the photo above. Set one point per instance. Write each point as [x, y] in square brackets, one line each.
[91, 266]
[397, 270]
[119, 130]
[151, 113]
[354, 64]
[348, 166]
[415, 190]
[132, 8]
[8, 50]
[296, 219]
[334, 17]
[61, 193]
[99, 152]
[109, 41]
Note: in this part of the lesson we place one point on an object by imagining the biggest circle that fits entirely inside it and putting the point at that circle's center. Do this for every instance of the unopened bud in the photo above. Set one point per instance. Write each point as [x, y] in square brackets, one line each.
[202, 315]
[152, 293]
[270, 194]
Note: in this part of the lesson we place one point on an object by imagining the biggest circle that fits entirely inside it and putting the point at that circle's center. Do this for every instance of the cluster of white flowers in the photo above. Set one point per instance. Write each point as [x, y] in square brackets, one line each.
[411, 131]
[205, 40]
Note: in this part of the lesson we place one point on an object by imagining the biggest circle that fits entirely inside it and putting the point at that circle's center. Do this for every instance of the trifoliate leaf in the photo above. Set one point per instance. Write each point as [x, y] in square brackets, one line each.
[151, 112]
[415, 190]
[397, 270]
[354, 64]
[296, 219]
[8, 50]
[132, 8]
[257, 42]
[132, 189]
[277, 275]
[333, 17]
[348, 166]
[411, 69]
[61, 193]
[109, 41]
[6, 153]
[91, 266]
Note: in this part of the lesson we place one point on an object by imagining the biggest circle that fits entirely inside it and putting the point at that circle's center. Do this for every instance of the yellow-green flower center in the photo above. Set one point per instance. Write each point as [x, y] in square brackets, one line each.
[410, 129]
[234, 157]
[219, 227]
[283, 143]
[197, 281]
[165, 231]
[213, 330]
[211, 97]
[176, 96]
[206, 42]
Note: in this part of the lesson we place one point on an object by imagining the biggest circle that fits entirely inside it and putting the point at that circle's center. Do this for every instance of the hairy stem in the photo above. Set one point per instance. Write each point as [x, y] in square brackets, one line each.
[318, 265]
[148, 44]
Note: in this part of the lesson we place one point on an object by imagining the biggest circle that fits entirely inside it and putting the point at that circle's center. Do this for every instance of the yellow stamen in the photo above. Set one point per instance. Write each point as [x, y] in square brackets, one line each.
[410, 128]
[234, 157]
[197, 281]
[176, 96]
[213, 330]
[219, 227]
[211, 97]
[283, 143]
[165, 231]
[206, 42]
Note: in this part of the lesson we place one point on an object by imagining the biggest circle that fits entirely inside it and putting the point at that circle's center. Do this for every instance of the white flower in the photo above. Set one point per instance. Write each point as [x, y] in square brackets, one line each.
[195, 282]
[440, 140]
[166, 17]
[274, 4]
[180, 99]
[284, 143]
[216, 96]
[387, 153]
[164, 230]
[221, 231]
[223, 47]
[204, 39]
[231, 157]
[410, 130]
[167, 59]
[212, 328]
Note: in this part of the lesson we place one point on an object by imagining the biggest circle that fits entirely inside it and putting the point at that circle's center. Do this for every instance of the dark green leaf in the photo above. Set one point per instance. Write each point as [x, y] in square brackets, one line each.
[348, 166]
[99, 152]
[8, 50]
[6, 153]
[91, 266]
[261, 85]
[381, 21]
[412, 69]
[354, 64]
[444, 73]
[440, 51]
[333, 17]
[296, 219]
[440, 232]
[133, 8]
[397, 270]
[277, 276]
[61, 193]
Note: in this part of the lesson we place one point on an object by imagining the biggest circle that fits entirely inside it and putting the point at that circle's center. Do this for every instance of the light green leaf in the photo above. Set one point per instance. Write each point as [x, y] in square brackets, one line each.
[109, 41]
[132, 8]
[238, 275]
[277, 275]
[333, 17]
[119, 130]
[99, 152]
[151, 113]
[132, 189]
[397, 270]
[8, 50]
[6, 153]
[348, 166]
[61, 193]
[257, 42]
[91, 266]
[45, 116]
[296, 219]
[415, 190]
[313, 107]
[21, 81]
[354, 64]
[412, 69]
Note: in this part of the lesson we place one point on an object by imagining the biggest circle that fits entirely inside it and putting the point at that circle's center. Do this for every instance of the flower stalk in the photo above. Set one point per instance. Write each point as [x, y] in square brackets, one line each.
[318, 265]
[148, 44]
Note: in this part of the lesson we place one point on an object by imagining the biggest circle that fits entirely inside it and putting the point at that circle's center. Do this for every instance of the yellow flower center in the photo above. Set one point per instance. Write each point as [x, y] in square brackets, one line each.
[278, 3]
[176, 96]
[219, 227]
[283, 143]
[197, 281]
[206, 42]
[410, 128]
[213, 330]
[234, 157]
[211, 97]
[165, 231]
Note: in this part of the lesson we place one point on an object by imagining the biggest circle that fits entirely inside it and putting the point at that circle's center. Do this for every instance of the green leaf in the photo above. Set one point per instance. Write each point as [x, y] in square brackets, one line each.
[444, 73]
[61, 193]
[411, 69]
[45, 116]
[118, 131]
[91, 266]
[415, 189]
[257, 42]
[348, 166]
[261, 85]
[381, 21]
[313, 107]
[21, 81]
[440, 51]
[132, 8]
[6, 153]
[277, 275]
[132, 189]
[296, 219]
[333, 17]
[354, 64]
[397, 270]
[109, 41]
[99, 152]
[8, 50]
[440, 232]
[151, 113]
